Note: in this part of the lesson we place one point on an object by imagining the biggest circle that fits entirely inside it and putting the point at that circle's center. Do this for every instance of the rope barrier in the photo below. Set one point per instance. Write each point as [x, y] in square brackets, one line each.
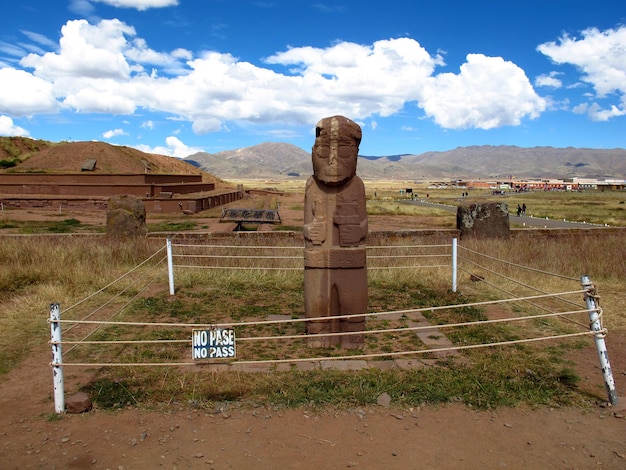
[327, 358]
[407, 256]
[303, 336]
[518, 265]
[258, 268]
[119, 294]
[287, 247]
[248, 247]
[116, 280]
[594, 328]
[512, 280]
[202, 256]
[132, 299]
[286, 268]
[524, 285]
[238, 256]
[393, 247]
[338, 317]
[421, 266]
[109, 322]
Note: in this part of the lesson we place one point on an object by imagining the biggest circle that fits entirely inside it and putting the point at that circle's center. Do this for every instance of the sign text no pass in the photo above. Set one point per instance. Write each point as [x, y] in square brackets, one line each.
[213, 344]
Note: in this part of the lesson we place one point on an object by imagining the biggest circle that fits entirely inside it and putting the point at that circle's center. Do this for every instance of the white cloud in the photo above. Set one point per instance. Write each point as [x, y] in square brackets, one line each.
[581, 108]
[488, 92]
[7, 128]
[361, 80]
[549, 80]
[22, 94]
[139, 4]
[113, 133]
[100, 68]
[81, 7]
[86, 51]
[147, 125]
[100, 97]
[174, 148]
[597, 113]
[39, 39]
[14, 50]
[601, 57]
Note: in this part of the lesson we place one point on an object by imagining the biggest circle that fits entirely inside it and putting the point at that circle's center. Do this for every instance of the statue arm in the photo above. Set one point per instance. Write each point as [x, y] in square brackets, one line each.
[314, 229]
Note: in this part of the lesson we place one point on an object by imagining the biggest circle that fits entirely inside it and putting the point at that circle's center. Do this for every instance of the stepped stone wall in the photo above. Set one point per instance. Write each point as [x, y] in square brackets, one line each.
[160, 193]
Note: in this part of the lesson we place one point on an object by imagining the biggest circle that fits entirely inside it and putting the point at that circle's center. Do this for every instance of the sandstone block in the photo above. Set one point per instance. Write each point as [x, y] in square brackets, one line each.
[488, 220]
[78, 403]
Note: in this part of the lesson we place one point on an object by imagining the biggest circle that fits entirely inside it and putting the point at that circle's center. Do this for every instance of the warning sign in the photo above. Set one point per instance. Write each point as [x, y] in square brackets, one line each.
[213, 344]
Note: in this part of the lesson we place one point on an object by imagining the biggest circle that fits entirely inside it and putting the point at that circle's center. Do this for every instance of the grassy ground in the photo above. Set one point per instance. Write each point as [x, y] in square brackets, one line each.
[37, 270]
[41, 270]
[595, 207]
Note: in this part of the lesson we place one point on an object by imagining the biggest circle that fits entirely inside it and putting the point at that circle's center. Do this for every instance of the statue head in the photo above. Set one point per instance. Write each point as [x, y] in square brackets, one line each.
[336, 149]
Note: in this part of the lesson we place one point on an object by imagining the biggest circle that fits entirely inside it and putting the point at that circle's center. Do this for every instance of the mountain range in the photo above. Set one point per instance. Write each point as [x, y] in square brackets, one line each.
[281, 160]
[277, 160]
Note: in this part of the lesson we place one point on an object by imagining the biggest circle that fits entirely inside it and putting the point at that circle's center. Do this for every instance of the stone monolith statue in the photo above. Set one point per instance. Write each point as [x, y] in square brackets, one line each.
[335, 228]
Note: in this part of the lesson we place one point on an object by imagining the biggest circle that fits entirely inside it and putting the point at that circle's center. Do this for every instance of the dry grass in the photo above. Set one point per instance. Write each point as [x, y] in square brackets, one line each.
[38, 270]
[600, 255]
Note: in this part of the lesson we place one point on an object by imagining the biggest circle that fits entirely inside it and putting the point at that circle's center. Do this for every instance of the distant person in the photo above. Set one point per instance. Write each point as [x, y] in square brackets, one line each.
[519, 210]
[524, 209]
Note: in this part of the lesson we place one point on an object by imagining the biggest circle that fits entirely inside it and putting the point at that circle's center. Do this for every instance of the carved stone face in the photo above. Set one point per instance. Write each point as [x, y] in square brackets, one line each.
[336, 150]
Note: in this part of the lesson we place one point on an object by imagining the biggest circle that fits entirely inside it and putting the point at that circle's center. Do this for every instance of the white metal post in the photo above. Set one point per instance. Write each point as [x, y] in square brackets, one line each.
[596, 325]
[170, 266]
[454, 264]
[57, 358]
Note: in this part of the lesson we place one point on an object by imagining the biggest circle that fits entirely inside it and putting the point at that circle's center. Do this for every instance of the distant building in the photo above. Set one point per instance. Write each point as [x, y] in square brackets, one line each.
[547, 184]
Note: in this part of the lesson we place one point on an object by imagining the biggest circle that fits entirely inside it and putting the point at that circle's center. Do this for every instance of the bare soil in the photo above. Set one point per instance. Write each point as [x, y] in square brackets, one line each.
[180, 436]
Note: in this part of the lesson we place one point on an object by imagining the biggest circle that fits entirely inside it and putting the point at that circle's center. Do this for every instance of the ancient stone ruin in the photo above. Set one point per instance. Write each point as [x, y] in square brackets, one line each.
[335, 229]
[161, 193]
[126, 217]
[488, 220]
[250, 216]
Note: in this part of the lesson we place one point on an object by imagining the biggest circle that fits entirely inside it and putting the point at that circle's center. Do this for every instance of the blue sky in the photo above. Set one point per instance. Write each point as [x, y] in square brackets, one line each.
[180, 76]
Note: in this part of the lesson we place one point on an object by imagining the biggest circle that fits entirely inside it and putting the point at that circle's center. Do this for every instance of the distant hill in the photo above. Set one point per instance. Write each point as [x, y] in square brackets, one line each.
[14, 150]
[281, 160]
[267, 160]
[28, 155]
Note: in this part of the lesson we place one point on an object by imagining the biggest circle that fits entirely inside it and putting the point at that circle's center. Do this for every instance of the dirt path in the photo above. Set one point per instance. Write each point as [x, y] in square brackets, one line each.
[178, 436]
